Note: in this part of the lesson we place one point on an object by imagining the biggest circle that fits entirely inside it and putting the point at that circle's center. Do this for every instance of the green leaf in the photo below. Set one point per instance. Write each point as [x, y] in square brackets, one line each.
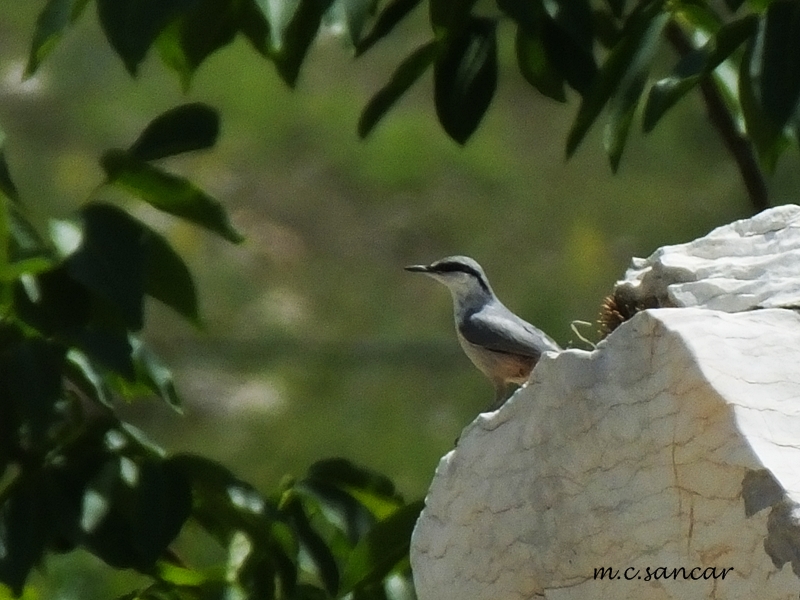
[254, 26]
[153, 373]
[613, 71]
[25, 240]
[80, 371]
[449, 16]
[59, 306]
[291, 45]
[409, 71]
[698, 15]
[389, 17]
[351, 16]
[568, 37]
[733, 5]
[202, 28]
[120, 258]
[664, 94]
[775, 63]
[169, 193]
[535, 66]
[181, 129]
[314, 545]
[133, 510]
[465, 77]
[371, 490]
[761, 130]
[30, 379]
[378, 552]
[617, 7]
[347, 475]
[24, 525]
[167, 278]
[626, 97]
[110, 260]
[132, 26]
[50, 25]
[7, 186]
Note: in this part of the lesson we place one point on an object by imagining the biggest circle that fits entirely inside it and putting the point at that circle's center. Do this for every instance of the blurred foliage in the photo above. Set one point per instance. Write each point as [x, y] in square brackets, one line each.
[74, 475]
[78, 276]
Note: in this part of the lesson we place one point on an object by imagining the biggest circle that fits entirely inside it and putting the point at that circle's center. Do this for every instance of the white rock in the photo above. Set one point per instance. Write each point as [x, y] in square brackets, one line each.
[753, 263]
[674, 444]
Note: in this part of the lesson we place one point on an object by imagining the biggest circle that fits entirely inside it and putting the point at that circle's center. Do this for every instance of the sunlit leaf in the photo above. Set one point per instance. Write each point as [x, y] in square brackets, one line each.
[346, 474]
[54, 18]
[151, 371]
[81, 372]
[182, 129]
[465, 77]
[314, 545]
[409, 71]
[389, 17]
[664, 94]
[378, 552]
[167, 192]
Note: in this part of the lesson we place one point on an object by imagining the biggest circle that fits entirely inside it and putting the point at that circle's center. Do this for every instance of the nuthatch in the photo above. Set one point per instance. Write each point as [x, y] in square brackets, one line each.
[503, 347]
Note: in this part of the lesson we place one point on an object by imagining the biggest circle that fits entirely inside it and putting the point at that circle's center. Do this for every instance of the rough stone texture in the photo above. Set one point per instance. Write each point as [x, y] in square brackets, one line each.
[675, 443]
[752, 263]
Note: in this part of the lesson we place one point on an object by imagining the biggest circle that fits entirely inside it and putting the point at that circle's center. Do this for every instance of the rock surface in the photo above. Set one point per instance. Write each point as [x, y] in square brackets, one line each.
[675, 443]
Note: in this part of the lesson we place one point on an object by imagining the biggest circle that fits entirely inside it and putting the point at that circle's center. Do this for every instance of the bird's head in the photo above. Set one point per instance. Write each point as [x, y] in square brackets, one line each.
[463, 276]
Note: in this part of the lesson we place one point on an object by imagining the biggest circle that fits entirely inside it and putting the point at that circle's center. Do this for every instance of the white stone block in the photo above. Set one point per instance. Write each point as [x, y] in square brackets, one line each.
[675, 443]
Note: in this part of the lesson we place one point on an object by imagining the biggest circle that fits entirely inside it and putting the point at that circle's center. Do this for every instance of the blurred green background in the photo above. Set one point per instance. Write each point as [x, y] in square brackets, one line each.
[316, 342]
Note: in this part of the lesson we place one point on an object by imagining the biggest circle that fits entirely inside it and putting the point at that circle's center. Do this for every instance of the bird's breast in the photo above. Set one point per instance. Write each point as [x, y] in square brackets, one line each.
[499, 366]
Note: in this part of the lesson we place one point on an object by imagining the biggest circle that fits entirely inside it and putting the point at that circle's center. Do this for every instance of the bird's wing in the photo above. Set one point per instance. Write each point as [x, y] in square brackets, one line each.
[501, 330]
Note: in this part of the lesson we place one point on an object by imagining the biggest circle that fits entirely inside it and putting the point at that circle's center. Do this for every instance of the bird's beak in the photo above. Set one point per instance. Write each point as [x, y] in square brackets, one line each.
[417, 268]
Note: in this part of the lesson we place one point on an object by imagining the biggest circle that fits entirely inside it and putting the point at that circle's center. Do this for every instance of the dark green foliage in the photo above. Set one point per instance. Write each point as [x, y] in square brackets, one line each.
[695, 65]
[390, 16]
[465, 77]
[75, 476]
[409, 71]
[557, 43]
[167, 192]
[73, 301]
[183, 129]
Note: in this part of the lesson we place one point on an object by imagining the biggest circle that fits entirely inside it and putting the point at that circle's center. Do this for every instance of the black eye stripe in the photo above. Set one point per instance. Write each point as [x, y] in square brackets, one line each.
[455, 267]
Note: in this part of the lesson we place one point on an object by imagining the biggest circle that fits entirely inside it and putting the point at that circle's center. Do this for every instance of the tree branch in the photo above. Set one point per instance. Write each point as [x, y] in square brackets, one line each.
[719, 115]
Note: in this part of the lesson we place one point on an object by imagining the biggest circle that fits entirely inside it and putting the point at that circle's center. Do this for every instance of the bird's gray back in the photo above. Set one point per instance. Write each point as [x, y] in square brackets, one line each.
[496, 328]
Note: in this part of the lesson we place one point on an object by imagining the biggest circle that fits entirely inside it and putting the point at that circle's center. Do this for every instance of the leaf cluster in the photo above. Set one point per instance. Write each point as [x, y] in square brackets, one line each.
[73, 474]
[603, 50]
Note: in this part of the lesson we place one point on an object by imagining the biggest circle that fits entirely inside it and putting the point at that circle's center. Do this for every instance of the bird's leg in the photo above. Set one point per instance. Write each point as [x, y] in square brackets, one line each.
[500, 396]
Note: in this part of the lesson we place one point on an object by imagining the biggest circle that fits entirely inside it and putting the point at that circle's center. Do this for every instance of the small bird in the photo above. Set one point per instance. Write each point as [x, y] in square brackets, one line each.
[504, 347]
